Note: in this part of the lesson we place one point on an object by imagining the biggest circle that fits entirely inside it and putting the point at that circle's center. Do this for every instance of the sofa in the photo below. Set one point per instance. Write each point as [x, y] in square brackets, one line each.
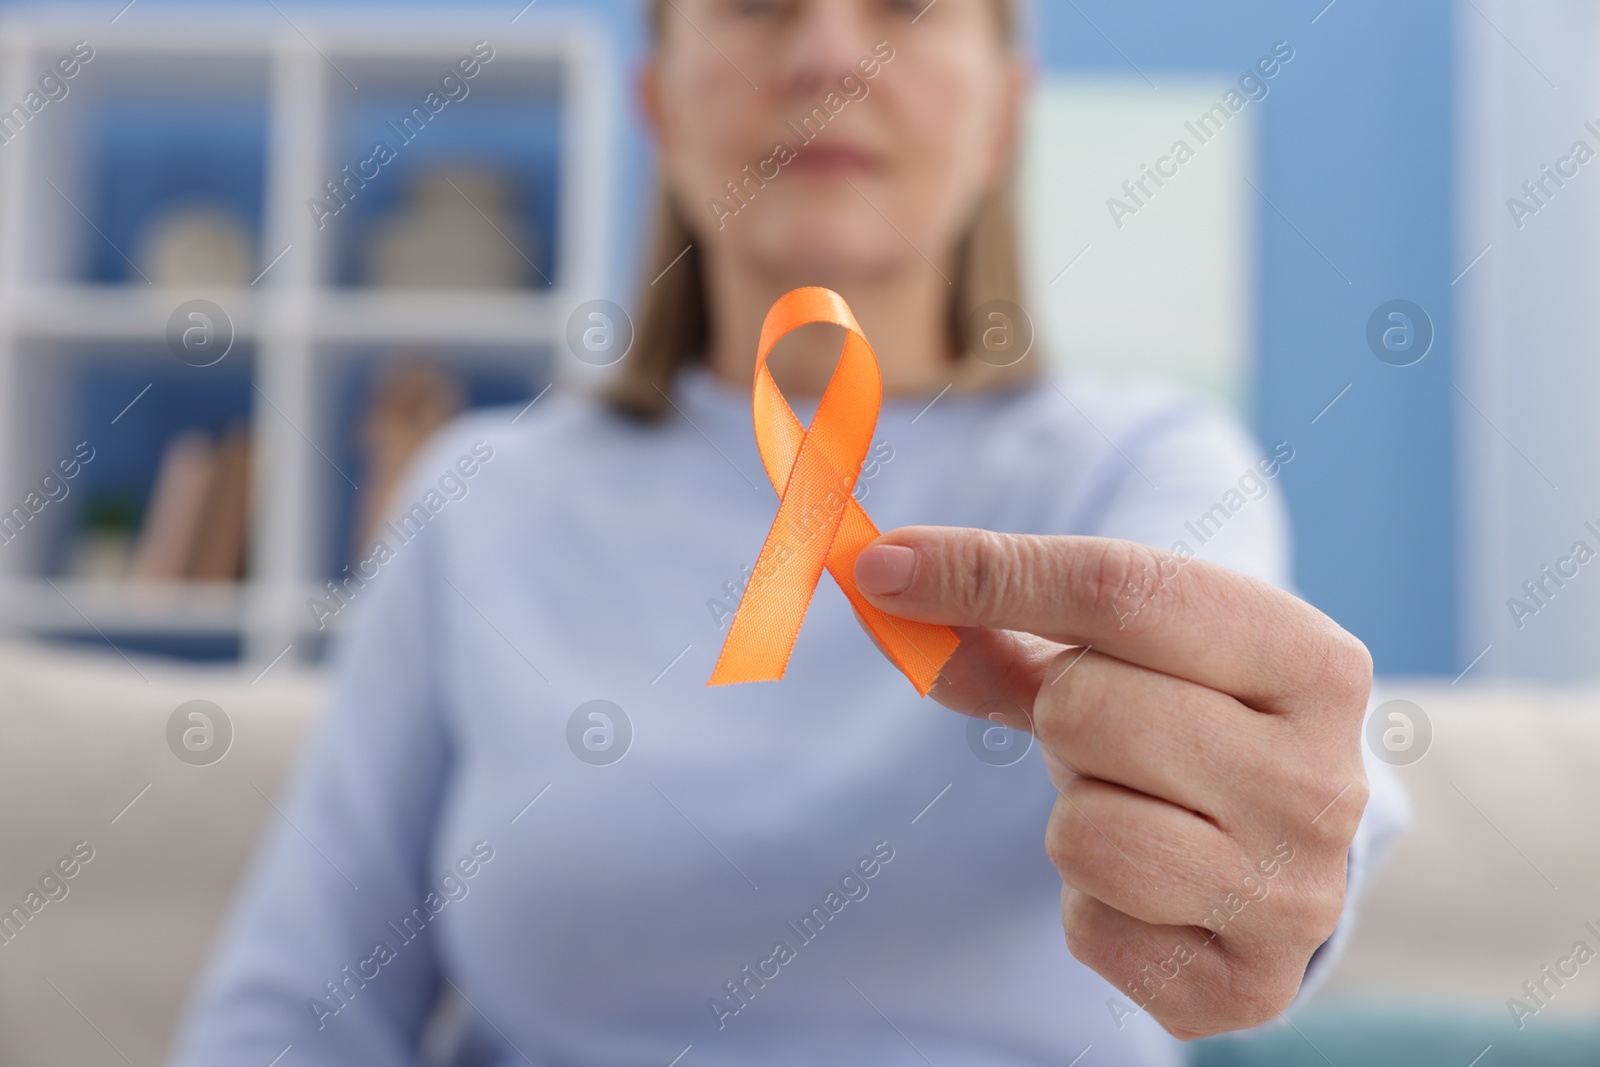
[1495, 881]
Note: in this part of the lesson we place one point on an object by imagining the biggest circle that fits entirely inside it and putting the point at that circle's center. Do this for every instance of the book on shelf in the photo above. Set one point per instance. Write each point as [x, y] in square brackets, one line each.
[177, 501]
[197, 521]
[218, 551]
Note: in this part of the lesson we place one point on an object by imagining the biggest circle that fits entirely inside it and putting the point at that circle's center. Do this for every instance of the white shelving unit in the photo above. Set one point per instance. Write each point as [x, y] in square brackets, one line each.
[296, 326]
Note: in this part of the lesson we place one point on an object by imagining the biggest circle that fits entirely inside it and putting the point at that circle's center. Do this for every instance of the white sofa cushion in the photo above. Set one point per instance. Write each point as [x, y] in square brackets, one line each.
[1507, 809]
[82, 733]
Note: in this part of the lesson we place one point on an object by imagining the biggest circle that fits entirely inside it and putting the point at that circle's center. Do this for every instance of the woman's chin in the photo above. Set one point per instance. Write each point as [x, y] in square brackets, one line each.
[826, 247]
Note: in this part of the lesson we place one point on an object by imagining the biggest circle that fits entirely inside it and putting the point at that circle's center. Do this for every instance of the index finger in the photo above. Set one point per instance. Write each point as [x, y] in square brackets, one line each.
[1175, 614]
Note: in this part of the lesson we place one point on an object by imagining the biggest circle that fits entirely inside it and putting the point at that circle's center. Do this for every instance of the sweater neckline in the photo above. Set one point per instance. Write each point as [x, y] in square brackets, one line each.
[702, 393]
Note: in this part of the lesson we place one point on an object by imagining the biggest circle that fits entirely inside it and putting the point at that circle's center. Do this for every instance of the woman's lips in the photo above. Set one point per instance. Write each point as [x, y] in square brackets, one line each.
[833, 161]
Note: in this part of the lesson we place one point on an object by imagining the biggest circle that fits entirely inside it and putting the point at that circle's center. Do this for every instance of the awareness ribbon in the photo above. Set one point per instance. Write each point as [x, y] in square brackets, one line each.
[819, 523]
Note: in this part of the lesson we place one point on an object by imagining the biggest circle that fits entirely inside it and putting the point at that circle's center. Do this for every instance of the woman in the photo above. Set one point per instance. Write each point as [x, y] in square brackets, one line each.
[824, 869]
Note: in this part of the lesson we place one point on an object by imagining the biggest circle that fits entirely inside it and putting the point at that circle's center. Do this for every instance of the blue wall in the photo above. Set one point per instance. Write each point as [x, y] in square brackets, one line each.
[1357, 151]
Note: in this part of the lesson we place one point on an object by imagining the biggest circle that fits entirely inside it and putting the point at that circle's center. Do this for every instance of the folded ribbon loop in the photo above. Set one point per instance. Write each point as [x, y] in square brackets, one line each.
[819, 523]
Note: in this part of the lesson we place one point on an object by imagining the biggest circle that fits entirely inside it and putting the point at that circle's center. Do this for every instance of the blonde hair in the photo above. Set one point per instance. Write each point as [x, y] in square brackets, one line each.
[674, 320]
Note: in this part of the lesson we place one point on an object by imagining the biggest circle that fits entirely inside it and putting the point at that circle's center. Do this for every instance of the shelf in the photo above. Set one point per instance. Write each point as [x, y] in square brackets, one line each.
[121, 312]
[337, 30]
[68, 605]
[431, 317]
[64, 604]
[242, 111]
[345, 316]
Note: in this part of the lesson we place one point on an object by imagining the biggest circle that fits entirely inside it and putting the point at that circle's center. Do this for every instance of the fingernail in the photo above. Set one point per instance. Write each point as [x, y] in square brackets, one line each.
[884, 570]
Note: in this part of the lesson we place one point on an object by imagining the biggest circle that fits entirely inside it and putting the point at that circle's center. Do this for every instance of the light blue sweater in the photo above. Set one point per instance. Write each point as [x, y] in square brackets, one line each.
[824, 870]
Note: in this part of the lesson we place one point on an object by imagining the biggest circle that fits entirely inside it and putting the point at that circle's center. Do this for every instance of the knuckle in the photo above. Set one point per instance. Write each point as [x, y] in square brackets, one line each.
[1258, 994]
[1344, 669]
[1332, 802]
[1057, 838]
[1122, 581]
[1322, 917]
[1360, 793]
[1109, 574]
[988, 561]
[1077, 923]
[1306, 908]
[1068, 709]
[1244, 993]
[1361, 661]
[1065, 838]
[1310, 908]
[1353, 805]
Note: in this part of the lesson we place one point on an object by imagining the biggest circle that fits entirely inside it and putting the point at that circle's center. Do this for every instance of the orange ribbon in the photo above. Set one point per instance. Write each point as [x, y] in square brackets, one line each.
[819, 522]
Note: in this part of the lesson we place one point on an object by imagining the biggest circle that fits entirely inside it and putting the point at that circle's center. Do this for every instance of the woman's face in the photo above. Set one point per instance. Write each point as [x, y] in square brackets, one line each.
[858, 135]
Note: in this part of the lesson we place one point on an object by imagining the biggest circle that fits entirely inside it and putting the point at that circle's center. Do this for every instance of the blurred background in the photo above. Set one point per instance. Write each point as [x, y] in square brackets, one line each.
[226, 321]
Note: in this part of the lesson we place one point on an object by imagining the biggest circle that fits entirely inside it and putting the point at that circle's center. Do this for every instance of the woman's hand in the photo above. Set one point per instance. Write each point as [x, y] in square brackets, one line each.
[1203, 730]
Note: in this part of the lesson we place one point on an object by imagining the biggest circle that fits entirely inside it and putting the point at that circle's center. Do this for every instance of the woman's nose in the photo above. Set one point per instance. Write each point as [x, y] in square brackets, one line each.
[827, 39]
